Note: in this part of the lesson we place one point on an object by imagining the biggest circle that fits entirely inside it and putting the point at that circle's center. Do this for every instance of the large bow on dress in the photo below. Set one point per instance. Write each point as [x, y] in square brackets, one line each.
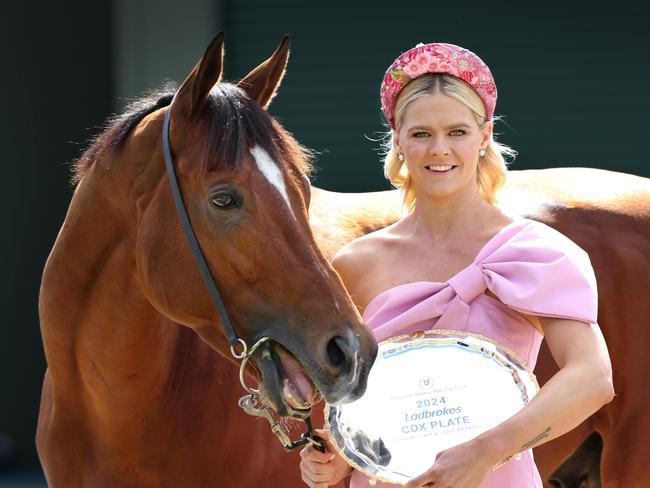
[528, 266]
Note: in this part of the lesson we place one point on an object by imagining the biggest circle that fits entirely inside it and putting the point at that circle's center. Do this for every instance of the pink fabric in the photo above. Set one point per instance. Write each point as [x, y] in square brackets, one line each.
[437, 57]
[532, 269]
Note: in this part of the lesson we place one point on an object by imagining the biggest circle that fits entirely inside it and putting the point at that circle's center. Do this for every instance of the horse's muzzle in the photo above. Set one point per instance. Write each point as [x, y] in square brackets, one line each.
[293, 379]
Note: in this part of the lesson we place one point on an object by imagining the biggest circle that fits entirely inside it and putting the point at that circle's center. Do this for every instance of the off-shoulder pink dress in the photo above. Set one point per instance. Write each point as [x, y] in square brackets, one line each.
[532, 269]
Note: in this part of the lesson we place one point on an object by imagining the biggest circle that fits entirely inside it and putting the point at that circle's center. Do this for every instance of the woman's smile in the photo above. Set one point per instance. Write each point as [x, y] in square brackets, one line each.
[440, 168]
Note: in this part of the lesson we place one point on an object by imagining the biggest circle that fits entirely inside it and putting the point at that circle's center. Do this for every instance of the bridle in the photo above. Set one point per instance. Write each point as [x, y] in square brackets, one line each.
[253, 403]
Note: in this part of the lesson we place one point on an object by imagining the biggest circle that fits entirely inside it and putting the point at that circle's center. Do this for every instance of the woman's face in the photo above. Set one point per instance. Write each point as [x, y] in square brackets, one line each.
[441, 140]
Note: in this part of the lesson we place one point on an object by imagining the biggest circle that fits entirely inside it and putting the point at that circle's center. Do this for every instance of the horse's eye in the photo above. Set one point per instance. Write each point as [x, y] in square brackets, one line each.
[223, 201]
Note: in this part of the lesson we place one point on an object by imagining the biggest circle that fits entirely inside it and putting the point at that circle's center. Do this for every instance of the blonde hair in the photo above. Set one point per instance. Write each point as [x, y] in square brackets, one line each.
[492, 170]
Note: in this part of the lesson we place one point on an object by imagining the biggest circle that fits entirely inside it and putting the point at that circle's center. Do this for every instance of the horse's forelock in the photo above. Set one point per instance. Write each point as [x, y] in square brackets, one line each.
[237, 121]
[241, 124]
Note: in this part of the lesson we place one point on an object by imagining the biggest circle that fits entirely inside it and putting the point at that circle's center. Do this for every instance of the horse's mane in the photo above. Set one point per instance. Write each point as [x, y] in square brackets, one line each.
[234, 122]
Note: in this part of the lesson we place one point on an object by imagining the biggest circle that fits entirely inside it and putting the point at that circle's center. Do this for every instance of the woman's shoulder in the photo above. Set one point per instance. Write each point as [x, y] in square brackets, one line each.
[365, 256]
[363, 250]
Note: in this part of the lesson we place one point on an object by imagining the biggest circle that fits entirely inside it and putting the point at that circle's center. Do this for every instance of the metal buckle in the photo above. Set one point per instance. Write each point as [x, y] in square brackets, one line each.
[244, 351]
[252, 405]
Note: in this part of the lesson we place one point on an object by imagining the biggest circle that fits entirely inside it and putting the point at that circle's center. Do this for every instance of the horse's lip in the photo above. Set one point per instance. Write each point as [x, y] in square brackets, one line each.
[273, 378]
[297, 382]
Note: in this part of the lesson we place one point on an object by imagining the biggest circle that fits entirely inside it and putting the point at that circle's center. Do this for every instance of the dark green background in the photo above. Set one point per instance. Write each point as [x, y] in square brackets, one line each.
[572, 80]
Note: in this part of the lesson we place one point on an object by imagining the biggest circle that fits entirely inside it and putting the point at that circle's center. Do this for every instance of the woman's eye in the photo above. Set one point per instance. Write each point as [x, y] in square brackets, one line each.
[457, 132]
[223, 201]
[420, 134]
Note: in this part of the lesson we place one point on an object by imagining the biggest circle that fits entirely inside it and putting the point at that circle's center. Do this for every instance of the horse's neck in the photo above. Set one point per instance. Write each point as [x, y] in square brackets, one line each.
[98, 328]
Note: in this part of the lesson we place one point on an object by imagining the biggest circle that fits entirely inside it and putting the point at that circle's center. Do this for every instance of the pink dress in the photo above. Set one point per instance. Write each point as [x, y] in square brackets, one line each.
[532, 269]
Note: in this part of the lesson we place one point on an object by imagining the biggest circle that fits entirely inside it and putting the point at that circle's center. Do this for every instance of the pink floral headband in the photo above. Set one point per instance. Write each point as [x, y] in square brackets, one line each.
[437, 58]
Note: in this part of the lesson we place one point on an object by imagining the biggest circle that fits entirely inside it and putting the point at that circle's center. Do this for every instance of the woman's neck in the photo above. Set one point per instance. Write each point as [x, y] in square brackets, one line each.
[454, 217]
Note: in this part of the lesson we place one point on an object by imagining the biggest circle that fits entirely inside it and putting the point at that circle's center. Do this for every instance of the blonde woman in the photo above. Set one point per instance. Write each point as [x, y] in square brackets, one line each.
[457, 261]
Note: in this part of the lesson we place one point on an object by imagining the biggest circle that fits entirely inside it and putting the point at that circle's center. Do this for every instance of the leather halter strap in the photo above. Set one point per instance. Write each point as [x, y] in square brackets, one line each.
[199, 258]
[252, 404]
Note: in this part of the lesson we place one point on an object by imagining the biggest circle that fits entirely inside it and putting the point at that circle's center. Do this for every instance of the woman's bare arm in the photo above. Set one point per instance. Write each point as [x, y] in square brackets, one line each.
[581, 386]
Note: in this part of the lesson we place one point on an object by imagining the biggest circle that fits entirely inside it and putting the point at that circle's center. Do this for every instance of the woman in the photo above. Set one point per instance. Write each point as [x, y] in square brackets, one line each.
[456, 260]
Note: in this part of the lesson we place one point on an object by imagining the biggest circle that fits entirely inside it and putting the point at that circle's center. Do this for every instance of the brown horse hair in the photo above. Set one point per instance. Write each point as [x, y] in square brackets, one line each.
[237, 122]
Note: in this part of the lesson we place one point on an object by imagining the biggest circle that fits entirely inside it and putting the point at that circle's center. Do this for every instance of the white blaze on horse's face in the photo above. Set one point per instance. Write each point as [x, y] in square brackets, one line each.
[270, 169]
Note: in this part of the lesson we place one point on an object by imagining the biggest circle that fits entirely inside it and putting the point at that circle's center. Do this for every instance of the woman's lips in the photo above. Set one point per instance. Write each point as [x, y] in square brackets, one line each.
[439, 168]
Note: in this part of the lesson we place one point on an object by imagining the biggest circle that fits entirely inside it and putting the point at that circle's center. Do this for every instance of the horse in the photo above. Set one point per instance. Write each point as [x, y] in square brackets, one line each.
[583, 468]
[140, 389]
[607, 214]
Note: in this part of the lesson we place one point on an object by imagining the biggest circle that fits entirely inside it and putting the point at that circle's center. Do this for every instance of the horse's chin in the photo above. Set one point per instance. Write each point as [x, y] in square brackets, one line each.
[285, 385]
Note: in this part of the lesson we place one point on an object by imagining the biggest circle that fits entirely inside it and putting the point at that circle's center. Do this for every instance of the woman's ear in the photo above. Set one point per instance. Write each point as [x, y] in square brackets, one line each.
[486, 134]
[396, 144]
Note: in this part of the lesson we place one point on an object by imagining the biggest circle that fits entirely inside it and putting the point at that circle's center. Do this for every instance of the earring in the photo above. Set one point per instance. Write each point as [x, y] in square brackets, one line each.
[481, 153]
[400, 156]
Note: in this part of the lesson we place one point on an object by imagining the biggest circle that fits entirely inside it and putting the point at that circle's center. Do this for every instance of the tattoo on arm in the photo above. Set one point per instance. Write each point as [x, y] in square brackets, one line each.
[536, 439]
[526, 446]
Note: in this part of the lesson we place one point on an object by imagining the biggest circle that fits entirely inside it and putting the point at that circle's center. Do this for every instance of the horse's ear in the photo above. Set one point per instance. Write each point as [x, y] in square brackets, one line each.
[262, 83]
[194, 91]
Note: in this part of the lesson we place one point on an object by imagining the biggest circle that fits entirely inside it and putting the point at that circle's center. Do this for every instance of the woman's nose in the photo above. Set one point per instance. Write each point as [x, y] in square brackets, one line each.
[438, 148]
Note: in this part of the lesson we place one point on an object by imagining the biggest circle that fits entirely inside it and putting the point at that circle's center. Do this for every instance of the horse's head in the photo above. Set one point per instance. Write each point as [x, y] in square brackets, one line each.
[244, 184]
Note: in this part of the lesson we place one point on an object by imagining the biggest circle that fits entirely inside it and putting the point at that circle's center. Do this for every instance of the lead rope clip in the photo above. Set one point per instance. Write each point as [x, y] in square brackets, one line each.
[252, 405]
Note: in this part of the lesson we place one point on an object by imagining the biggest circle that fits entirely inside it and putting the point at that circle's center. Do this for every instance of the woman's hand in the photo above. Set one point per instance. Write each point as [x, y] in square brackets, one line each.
[322, 469]
[462, 466]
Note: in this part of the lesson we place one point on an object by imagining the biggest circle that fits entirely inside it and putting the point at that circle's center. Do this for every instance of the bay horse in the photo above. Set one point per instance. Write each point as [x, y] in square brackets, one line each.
[607, 214]
[135, 393]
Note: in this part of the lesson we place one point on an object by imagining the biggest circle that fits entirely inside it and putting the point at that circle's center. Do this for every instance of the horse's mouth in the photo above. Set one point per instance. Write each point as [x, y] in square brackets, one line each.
[285, 384]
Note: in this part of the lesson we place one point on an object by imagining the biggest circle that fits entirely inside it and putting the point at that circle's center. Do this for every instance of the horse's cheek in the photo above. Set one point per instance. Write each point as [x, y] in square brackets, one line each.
[162, 265]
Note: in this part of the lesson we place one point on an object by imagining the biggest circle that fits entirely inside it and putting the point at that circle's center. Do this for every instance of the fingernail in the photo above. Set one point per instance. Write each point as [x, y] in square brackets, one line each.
[332, 457]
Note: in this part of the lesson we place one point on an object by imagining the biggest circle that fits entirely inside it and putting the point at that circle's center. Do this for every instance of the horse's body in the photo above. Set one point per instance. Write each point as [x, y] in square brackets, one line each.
[136, 393]
[188, 434]
[608, 215]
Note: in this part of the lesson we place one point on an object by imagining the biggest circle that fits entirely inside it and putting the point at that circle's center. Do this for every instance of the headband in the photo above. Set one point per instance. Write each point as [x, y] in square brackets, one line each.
[437, 58]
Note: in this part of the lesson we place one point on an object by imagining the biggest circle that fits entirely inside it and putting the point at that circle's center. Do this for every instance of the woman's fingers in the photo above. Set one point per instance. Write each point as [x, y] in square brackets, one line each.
[427, 479]
[316, 467]
[314, 483]
[322, 469]
[310, 454]
[325, 435]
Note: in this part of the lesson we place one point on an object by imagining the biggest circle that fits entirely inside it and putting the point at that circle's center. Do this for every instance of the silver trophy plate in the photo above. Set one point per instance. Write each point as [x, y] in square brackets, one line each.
[427, 391]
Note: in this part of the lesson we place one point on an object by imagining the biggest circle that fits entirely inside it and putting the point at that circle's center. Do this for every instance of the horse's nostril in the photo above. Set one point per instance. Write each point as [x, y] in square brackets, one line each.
[336, 355]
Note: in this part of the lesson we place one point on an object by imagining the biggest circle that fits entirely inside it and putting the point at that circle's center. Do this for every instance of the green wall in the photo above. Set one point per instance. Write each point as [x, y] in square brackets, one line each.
[56, 65]
[572, 75]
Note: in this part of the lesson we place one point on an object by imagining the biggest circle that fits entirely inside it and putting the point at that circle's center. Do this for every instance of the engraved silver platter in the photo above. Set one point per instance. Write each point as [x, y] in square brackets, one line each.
[427, 391]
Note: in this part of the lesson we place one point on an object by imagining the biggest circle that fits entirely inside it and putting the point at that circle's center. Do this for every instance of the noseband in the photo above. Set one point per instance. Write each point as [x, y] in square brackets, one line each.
[253, 403]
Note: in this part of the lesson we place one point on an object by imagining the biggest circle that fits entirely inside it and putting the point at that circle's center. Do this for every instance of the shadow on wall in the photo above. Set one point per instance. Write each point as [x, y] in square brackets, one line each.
[17, 479]
[23, 480]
